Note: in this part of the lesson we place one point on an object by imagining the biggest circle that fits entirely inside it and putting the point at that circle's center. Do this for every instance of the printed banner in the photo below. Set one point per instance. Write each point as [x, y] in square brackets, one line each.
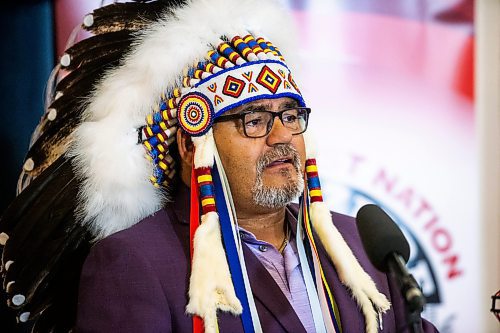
[392, 113]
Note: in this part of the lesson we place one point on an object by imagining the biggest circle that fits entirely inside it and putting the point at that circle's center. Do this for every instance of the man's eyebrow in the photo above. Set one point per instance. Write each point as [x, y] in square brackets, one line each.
[290, 104]
[263, 107]
[250, 108]
[255, 108]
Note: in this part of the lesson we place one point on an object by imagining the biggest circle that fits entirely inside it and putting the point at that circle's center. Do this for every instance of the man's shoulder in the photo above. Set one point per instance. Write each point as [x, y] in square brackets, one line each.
[344, 223]
[347, 226]
[150, 233]
[148, 225]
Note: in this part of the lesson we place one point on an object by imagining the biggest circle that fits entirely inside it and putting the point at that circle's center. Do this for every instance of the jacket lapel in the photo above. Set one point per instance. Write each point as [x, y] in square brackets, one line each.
[269, 294]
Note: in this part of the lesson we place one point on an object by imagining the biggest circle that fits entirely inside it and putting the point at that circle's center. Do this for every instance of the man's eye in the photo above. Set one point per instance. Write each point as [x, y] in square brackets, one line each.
[254, 122]
[289, 118]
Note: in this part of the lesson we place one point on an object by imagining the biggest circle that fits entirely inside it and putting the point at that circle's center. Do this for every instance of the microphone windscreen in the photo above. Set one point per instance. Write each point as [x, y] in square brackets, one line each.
[380, 236]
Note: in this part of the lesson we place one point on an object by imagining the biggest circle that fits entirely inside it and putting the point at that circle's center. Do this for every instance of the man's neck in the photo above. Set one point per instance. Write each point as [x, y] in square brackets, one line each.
[268, 227]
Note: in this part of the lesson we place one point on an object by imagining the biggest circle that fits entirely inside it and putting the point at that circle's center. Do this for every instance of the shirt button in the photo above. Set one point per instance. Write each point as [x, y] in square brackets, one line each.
[262, 248]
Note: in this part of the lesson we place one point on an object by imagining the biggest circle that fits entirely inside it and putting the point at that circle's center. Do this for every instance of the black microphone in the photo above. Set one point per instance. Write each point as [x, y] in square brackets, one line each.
[388, 251]
[380, 236]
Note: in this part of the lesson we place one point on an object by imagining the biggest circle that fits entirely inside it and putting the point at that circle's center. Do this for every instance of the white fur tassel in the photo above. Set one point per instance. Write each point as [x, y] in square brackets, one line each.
[310, 145]
[351, 274]
[210, 285]
[205, 150]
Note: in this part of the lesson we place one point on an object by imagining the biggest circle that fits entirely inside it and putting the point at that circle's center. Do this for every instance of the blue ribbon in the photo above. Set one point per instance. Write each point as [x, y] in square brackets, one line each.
[232, 252]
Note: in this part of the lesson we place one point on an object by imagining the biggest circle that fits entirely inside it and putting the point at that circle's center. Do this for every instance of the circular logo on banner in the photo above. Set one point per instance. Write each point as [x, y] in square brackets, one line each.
[196, 113]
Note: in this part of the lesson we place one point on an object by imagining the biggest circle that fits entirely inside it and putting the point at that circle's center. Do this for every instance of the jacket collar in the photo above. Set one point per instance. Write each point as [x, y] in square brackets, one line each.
[181, 203]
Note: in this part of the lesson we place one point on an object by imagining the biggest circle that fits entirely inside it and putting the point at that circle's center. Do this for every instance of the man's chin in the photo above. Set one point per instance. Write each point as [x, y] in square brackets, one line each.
[277, 196]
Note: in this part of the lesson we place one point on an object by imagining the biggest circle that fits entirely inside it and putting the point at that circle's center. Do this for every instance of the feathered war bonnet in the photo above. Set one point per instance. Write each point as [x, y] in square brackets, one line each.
[185, 69]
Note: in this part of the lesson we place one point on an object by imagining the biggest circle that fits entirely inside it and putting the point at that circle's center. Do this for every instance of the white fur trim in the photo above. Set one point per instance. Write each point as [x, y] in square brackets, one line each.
[115, 188]
[310, 145]
[350, 272]
[210, 285]
[205, 150]
[115, 191]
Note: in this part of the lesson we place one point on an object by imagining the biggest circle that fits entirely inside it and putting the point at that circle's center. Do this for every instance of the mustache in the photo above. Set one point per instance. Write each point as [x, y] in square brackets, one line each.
[279, 151]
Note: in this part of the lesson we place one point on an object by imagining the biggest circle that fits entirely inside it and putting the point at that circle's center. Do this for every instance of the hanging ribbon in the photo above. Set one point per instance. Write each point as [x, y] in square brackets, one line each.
[312, 294]
[328, 304]
[239, 276]
[194, 223]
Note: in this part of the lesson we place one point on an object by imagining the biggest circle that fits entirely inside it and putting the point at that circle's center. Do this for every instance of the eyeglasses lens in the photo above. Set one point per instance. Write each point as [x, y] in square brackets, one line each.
[258, 123]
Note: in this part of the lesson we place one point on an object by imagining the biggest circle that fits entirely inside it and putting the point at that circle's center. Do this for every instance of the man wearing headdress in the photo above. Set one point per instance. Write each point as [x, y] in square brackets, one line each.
[201, 234]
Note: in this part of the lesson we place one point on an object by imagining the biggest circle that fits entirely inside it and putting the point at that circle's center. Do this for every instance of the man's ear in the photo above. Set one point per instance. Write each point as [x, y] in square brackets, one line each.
[186, 150]
[185, 147]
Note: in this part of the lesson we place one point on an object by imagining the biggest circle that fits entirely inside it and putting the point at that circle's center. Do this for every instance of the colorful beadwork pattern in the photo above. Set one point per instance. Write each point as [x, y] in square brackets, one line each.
[313, 181]
[268, 79]
[195, 113]
[290, 78]
[233, 87]
[206, 189]
[251, 81]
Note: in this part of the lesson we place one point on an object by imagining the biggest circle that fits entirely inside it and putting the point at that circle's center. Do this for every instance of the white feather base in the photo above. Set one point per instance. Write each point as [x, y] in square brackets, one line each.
[310, 144]
[205, 150]
[210, 285]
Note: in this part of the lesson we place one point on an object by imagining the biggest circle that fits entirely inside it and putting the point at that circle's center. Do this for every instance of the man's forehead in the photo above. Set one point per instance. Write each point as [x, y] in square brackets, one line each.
[265, 104]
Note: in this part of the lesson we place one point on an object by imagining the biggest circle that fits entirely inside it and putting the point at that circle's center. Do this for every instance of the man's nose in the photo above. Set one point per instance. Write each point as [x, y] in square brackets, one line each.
[279, 133]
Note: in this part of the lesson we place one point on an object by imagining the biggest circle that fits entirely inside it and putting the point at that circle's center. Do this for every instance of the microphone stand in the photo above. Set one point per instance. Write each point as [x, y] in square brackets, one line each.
[410, 290]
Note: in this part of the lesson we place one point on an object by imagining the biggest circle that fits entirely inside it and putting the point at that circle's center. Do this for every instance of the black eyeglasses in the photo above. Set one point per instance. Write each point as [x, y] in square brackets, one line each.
[257, 124]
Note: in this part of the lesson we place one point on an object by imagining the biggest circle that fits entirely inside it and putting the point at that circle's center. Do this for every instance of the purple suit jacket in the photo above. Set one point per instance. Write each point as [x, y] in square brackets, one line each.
[136, 281]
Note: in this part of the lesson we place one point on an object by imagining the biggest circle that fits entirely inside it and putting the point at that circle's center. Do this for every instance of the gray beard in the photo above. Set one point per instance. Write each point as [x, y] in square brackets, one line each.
[278, 197]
